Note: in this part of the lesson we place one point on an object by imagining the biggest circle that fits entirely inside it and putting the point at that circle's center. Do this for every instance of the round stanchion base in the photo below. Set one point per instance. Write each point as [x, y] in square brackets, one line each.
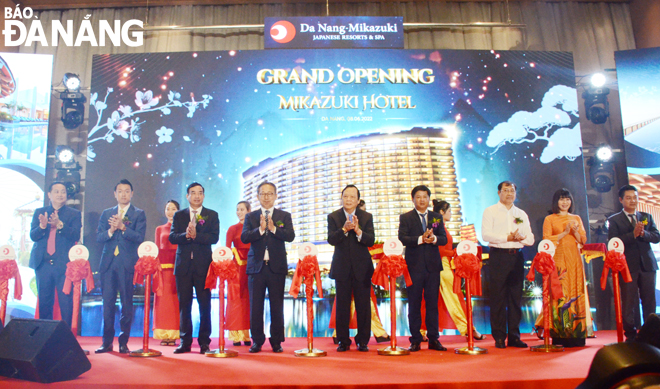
[549, 349]
[86, 352]
[471, 351]
[217, 353]
[393, 351]
[145, 353]
[313, 353]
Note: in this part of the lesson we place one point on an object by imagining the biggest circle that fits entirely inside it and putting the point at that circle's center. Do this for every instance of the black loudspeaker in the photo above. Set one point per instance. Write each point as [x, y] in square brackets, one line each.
[41, 351]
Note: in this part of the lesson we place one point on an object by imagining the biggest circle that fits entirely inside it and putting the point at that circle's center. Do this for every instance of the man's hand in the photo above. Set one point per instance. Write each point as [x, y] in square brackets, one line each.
[348, 225]
[112, 222]
[515, 236]
[271, 225]
[54, 219]
[262, 223]
[639, 230]
[43, 221]
[428, 237]
[356, 225]
[191, 231]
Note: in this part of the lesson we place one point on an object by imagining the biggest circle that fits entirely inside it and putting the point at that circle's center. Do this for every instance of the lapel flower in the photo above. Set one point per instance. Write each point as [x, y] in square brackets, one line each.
[125, 221]
[435, 222]
[279, 223]
[201, 219]
[518, 220]
[644, 220]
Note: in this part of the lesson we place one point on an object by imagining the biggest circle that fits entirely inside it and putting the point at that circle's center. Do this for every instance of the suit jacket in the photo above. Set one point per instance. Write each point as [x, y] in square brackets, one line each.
[127, 241]
[65, 238]
[275, 242]
[422, 257]
[350, 254]
[638, 252]
[194, 255]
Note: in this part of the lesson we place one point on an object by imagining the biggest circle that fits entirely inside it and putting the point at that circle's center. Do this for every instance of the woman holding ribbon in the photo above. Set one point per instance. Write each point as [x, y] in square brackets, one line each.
[238, 297]
[566, 231]
[166, 306]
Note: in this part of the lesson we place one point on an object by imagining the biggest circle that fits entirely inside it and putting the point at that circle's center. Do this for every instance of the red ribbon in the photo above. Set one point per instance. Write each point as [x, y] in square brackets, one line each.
[545, 264]
[76, 271]
[617, 262]
[9, 270]
[376, 251]
[224, 270]
[390, 266]
[148, 266]
[307, 269]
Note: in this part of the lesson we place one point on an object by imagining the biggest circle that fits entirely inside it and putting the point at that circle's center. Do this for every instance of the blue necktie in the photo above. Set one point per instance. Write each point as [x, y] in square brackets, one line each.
[424, 222]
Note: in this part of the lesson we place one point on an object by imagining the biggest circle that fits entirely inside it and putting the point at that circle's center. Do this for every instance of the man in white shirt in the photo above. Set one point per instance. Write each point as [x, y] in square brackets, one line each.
[506, 228]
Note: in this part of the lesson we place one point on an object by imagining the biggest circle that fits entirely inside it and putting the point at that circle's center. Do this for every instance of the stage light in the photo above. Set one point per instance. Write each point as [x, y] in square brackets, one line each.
[601, 169]
[71, 82]
[596, 104]
[73, 102]
[598, 80]
[68, 170]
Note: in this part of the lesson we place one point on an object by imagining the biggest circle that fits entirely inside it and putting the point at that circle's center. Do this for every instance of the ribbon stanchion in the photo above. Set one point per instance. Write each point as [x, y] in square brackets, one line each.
[77, 269]
[391, 266]
[147, 269]
[468, 267]
[615, 260]
[8, 270]
[307, 271]
[223, 268]
[544, 263]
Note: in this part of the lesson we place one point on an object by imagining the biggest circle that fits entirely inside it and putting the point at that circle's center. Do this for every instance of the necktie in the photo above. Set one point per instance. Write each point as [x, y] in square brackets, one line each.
[266, 256]
[50, 248]
[632, 219]
[194, 217]
[121, 217]
[424, 222]
[267, 214]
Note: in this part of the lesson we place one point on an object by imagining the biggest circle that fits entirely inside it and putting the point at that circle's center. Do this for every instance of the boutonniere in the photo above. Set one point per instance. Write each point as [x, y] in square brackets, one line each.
[125, 221]
[644, 221]
[201, 219]
[279, 223]
[435, 222]
[518, 220]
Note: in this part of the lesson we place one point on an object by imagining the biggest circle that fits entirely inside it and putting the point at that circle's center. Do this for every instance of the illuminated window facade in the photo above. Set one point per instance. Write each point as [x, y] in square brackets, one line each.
[385, 167]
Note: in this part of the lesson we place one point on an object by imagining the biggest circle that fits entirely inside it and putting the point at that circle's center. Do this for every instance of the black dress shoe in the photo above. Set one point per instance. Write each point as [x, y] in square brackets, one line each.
[362, 347]
[335, 340]
[182, 349]
[278, 349]
[123, 349]
[237, 344]
[204, 349]
[499, 343]
[517, 343]
[382, 339]
[105, 348]
[255, 348]
[247, 343]
[414, 346]
[436, 345]
[343, 347]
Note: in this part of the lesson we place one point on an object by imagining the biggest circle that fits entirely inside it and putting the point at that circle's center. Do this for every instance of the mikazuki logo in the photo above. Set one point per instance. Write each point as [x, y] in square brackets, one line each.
[117, 33]
[282, 32]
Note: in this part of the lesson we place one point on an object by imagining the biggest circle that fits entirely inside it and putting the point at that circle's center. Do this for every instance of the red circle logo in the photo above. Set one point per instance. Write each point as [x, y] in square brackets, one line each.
[222, 253]
[282, 32]
[5, 251]
[308, 249]
[78, 251]
[546, 246]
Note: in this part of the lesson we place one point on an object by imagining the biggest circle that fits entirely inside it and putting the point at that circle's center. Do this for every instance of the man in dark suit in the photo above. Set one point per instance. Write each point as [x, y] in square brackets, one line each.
[266, 230]
[637, 231]
[194, 229]
[421, 231]
[351, 231]
[54, 230]
[121, 230]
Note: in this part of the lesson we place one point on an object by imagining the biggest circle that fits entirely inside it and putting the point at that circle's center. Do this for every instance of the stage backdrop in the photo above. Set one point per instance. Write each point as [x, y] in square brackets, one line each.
[312, 121]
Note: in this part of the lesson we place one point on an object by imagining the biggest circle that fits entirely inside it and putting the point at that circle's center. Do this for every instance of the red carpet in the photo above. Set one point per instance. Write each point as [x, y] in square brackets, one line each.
[507, 368]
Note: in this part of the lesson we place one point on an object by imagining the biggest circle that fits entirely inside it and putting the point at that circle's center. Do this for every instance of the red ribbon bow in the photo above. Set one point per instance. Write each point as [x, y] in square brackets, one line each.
[76, 271]
[224, 270]
[147, 266]
[9, 270]
[545, 264]
[617, 262]
[307, 270]
[390, 266]
[467, 265]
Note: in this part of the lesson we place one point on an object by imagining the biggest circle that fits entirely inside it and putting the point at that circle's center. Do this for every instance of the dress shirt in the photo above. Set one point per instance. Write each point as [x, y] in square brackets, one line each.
[347, 217]
[270, 215]
[498, 222]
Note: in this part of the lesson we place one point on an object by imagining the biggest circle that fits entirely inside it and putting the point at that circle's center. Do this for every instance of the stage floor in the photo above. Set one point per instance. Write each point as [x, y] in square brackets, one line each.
[506, 368]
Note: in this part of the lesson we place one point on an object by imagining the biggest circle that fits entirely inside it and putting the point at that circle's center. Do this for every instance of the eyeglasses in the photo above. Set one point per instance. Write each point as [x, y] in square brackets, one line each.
[269, 194]
[509, 190]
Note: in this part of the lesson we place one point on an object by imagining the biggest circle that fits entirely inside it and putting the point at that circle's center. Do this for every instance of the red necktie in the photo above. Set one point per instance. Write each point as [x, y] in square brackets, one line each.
[50, 248]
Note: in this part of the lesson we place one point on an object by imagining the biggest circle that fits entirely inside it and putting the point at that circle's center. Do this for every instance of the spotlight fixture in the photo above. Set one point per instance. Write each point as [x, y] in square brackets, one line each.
[598, 80]
[68, 170]
[73, 102]
[71, 82]
[601, 169]
[596, 104]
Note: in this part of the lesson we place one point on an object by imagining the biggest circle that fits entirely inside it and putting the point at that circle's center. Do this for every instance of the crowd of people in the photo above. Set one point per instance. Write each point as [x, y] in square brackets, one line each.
[258, 243]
